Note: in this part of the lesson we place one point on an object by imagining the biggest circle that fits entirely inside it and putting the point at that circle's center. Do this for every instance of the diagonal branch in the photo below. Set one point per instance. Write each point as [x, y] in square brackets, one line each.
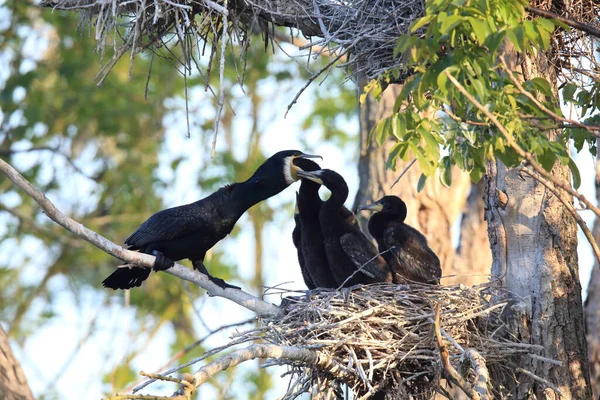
[240, 297]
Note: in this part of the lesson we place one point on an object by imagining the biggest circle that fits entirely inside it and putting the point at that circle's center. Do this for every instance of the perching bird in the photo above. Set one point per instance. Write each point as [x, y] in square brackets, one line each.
[404, 248]
[314, 264]
[297, 240]
[189, 231]
[352, 258]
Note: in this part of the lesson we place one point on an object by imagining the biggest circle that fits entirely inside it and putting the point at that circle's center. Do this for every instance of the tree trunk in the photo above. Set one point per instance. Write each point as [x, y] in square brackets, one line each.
[534, 247]
[592, 306]
[13, 385]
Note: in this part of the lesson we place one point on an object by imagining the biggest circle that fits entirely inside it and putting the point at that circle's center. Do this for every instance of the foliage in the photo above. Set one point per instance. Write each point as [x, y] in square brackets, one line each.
[466, 38]
[96, 152]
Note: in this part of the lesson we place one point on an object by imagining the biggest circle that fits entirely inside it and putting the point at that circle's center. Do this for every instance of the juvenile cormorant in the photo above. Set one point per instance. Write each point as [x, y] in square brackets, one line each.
[346, 247]
[189, 231]
[403, 247]
[309, 204]
[297, 240]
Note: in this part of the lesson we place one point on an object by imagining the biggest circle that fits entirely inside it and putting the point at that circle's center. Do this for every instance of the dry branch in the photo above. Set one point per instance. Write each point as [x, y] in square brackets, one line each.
[132, 257]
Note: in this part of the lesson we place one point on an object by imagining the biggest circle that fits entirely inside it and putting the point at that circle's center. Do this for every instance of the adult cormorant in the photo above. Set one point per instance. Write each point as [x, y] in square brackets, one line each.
[352, 258]
[297, 240]
[403, 247]
[189, 231]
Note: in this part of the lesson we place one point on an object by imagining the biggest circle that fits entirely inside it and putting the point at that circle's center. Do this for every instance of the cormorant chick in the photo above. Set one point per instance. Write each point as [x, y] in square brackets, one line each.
[297, 240]
[352, 258]
[314, 265]
[404, 248]
[189, 231]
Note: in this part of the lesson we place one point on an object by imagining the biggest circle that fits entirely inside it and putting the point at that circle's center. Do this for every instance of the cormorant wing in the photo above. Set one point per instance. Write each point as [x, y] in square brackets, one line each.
[168, 224]
[364, 255]
[409, 247]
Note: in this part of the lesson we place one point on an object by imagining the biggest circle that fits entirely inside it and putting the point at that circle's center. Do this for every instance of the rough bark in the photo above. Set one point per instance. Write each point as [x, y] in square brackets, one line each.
[534, 247]
[434, 210]
[13, 385]
[592, 307]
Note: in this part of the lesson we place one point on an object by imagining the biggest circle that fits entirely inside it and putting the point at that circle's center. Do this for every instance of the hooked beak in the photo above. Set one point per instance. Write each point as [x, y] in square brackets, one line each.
[303, 155]
[375, 206]
[311, 176]
[294, 169]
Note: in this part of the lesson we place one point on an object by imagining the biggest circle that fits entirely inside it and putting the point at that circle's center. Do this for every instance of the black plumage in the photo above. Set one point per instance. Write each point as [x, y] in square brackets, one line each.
[351, 257]
[316, 267]
[404, 248]
[189, 231]
[297, 240]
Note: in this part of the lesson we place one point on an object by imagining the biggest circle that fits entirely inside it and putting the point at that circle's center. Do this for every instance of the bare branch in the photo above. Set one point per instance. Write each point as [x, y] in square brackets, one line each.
[138, 259]
[570, 22]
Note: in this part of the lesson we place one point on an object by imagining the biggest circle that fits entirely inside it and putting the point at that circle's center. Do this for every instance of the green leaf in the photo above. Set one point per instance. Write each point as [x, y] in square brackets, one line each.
[542, 86]
[569, 92]
[575, 173]
[449, 22]
[480, 28]
[421, 22]
[517, 38]
[446, 171]
[475, 175]
[421, 183]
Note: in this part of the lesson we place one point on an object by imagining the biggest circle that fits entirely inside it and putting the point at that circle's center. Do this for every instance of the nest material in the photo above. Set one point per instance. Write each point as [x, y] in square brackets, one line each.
[365, 31]
[383, 338]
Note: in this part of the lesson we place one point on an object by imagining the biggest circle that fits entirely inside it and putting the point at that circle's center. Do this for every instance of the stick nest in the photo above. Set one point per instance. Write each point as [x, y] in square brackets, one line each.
[383, 337]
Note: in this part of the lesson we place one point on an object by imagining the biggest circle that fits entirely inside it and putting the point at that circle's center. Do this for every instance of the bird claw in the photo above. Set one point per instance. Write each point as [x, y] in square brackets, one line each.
[222, 284]
[161, 263]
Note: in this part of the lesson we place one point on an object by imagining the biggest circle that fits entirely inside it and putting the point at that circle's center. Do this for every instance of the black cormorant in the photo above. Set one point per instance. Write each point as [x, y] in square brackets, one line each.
[309, 204]
[346, 247]
[297, 240]
[403, 247]
[189, 231]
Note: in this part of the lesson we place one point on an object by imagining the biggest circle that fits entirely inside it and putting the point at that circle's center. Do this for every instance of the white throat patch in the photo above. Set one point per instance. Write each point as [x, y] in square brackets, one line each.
[287, 170]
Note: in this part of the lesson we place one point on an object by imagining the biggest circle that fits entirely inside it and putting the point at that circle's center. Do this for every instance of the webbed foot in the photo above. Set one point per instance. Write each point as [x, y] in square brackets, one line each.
[221, 283]
[161, 263]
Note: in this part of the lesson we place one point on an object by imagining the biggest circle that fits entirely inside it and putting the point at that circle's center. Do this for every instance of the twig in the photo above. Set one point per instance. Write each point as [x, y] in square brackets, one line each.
[538, 104]
[221, 101]
[410, 164]
[310, 80]
[537, 378]
[570, 22]
[240, 297]
[445, 358]
[140, 385]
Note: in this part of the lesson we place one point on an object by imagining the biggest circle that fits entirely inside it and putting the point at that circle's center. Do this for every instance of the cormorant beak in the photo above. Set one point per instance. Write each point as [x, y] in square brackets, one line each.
[294, 169]
[312, 176]
[376, 206]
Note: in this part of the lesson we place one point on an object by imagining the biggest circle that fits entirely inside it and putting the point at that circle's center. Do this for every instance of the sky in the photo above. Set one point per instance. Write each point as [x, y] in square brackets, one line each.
[46, 357]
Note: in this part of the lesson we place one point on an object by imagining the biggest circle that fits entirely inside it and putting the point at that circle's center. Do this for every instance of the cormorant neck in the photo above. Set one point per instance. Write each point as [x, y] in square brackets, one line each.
[254, 190]
[377, 224]
[309, 193]
[339, 194]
